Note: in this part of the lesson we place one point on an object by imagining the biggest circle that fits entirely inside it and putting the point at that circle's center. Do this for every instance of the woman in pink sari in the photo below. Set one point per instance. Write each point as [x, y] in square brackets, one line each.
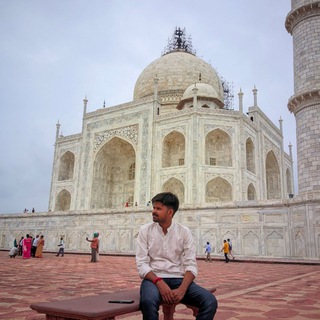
[26, 247]
[40, 248]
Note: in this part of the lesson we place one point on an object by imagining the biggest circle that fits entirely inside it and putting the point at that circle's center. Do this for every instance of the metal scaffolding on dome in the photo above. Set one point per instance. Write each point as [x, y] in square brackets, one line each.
[228, 94]
[179, 41]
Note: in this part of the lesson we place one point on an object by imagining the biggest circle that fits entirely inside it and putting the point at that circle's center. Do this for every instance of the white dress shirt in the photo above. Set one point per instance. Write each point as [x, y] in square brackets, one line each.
[61, 245]
[167, 255]
[35, 242]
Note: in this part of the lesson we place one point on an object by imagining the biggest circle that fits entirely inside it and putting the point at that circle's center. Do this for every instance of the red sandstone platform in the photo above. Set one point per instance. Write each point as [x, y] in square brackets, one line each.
[245, 291]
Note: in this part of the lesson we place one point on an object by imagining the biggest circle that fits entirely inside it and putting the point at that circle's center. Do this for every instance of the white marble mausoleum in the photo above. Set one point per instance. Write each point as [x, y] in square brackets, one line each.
[181, 133]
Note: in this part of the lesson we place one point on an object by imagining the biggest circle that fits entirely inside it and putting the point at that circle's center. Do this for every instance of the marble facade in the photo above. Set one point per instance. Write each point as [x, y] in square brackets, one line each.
[289, 229]
[229, 169]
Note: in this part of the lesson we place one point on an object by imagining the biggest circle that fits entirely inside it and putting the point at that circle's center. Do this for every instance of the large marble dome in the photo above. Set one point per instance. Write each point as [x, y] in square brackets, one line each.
[176, 71]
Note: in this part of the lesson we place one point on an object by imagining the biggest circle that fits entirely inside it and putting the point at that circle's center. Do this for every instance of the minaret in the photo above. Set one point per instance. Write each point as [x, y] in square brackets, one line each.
[57, 130]
[303, 23]
[255, 96]
[85, 103]
[55, 160]
[240, 94]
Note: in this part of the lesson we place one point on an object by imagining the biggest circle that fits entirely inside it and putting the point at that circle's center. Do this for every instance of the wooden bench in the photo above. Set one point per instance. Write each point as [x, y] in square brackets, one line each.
[98, 307]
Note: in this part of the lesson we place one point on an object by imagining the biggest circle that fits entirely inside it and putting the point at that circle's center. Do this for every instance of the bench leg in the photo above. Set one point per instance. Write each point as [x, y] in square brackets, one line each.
[195, 310]
[168, 311]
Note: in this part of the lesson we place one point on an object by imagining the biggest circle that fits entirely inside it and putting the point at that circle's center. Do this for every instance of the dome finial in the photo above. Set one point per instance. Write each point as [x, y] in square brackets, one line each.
[179, 42]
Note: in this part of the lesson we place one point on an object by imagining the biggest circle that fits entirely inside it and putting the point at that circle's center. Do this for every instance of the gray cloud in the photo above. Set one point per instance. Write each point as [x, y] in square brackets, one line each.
[56, 52]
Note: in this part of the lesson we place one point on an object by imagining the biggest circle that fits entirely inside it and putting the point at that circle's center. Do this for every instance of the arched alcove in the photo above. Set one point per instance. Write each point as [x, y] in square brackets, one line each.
[250, 156]
[66, 166]
[273, 177]
[251, 244]
[176, 187]
[275, 244]
[173, 150]
[63, 201]
[113, 175]
[251, 193]
[218, 149]
[218, 189]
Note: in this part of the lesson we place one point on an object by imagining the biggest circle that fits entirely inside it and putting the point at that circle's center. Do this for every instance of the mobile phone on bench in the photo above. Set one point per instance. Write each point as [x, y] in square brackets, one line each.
[121, 301]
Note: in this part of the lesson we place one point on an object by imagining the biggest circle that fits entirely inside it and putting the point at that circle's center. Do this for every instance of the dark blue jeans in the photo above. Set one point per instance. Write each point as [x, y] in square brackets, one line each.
[197, 296]
[61, 250]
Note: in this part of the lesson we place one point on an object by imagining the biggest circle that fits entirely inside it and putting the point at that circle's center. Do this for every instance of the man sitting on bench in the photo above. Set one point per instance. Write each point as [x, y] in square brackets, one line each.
[166, 261]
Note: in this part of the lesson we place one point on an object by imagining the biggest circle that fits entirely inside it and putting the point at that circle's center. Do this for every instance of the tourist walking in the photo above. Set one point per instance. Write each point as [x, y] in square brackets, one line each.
[40, 247]
[230, 248]
[225, 250]
[208, 252]
[61, 247]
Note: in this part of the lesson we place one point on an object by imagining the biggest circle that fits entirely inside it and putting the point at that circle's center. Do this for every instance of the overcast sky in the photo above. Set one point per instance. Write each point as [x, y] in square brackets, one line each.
[54, 53]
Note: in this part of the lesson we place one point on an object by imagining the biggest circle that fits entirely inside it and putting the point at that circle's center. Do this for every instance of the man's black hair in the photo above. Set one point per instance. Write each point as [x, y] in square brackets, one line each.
[168, 199]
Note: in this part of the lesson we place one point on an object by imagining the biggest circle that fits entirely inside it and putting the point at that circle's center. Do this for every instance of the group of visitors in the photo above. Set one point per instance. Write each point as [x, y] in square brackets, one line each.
[32, 247]
[28, 247]
[227, 250]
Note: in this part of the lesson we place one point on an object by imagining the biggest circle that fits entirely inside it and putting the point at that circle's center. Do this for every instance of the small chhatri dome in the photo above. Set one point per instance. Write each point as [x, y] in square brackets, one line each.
[176, 70]
[205, 92]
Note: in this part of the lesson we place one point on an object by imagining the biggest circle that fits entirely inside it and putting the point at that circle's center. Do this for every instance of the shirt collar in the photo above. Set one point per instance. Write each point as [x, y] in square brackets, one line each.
[169, 229]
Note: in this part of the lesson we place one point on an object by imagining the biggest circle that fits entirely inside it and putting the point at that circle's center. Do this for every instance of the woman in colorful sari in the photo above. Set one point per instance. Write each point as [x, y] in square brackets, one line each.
[26, 247]
[40, 247]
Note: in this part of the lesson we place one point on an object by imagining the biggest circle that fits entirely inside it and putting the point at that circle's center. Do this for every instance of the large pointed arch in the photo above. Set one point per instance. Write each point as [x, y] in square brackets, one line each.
[175, 186]
[218, 149]
[173, 150]
[273, 177]
[66, 166]
[113, 175]
[218, 189]
[63, 201]
[250, 159]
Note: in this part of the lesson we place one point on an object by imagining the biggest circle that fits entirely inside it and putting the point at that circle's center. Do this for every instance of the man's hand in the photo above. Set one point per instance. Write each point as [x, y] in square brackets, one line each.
[178, 294]
[167, 294]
